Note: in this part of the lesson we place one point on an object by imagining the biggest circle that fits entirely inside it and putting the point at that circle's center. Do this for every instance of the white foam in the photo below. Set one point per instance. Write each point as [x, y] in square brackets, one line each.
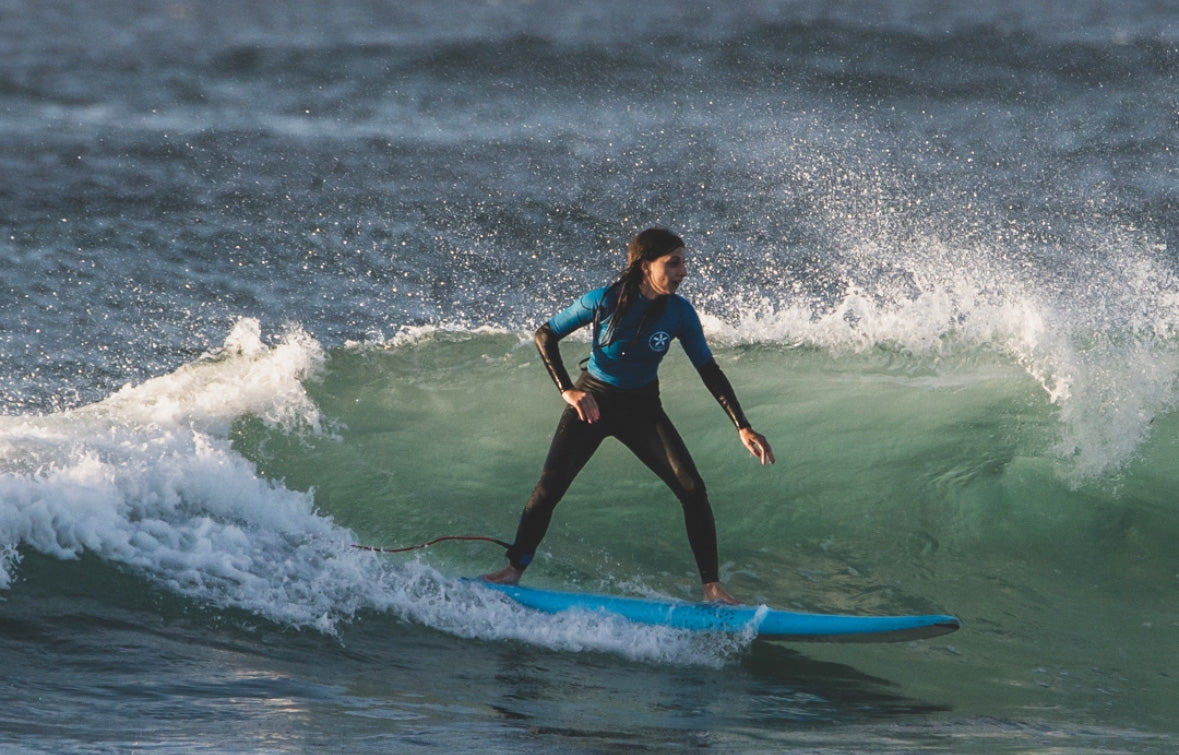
[148, 479]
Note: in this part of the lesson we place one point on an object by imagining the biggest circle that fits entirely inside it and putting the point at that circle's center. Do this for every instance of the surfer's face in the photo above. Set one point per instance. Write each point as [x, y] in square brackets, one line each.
[663, 275]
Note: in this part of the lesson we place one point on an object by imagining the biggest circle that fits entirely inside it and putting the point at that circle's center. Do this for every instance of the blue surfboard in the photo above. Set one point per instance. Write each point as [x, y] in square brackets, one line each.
[760, 621]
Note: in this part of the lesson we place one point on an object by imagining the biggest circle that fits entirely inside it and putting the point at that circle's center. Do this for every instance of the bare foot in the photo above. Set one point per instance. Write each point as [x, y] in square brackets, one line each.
[714, 593]
[509, 575]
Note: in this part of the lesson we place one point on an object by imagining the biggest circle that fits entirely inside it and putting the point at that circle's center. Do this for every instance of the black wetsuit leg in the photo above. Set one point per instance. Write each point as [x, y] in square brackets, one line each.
[573, 444]
[637, 419]
[658, 445]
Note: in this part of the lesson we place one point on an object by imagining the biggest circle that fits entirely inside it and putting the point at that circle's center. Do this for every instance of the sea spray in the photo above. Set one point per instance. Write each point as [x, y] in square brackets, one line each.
[1089, 312]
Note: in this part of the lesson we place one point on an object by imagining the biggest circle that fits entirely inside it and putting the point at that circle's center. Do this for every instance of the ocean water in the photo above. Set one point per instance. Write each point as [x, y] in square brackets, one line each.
[270, 272]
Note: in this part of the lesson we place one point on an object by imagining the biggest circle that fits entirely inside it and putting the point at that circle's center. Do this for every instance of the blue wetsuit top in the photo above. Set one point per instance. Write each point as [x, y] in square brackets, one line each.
[631, 359]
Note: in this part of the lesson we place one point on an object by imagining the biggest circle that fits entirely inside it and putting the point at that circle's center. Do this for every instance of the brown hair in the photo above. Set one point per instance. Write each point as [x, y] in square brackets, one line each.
[646, 246]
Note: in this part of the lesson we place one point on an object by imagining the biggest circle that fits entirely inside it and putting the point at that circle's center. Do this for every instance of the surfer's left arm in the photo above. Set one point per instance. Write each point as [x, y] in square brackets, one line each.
[722, 390]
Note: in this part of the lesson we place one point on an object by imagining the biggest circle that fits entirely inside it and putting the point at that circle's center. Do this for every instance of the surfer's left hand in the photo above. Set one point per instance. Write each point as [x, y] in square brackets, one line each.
[757, 444]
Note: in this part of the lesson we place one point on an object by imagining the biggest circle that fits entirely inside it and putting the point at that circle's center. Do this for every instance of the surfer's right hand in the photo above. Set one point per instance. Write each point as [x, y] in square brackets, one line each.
[585, 404]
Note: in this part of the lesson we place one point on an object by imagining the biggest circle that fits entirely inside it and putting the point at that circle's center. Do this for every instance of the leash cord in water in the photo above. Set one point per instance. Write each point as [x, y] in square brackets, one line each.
[483, 538]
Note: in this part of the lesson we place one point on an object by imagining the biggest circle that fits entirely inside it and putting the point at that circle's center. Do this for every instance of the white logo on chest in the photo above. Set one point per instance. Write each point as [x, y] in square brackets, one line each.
[659, 341]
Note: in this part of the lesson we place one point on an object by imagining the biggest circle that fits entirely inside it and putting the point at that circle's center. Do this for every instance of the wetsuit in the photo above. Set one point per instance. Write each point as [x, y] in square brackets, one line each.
[622, 376]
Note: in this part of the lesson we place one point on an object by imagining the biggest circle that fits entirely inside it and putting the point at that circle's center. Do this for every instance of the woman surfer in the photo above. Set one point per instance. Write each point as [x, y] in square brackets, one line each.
[634, 321]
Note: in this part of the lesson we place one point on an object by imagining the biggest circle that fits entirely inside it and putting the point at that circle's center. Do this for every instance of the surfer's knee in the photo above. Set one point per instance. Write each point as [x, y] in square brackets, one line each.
[691, 492]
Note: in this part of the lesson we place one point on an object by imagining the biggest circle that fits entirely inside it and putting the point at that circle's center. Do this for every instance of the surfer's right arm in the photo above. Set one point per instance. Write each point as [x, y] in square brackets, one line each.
[548, 344]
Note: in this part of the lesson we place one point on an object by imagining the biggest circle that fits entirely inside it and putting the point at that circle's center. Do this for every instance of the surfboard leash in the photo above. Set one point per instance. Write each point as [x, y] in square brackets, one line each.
[483, 538]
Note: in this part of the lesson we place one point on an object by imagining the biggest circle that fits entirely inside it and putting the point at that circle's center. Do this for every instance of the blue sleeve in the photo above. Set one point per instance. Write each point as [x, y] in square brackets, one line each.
[692, 338]
[578, 314]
